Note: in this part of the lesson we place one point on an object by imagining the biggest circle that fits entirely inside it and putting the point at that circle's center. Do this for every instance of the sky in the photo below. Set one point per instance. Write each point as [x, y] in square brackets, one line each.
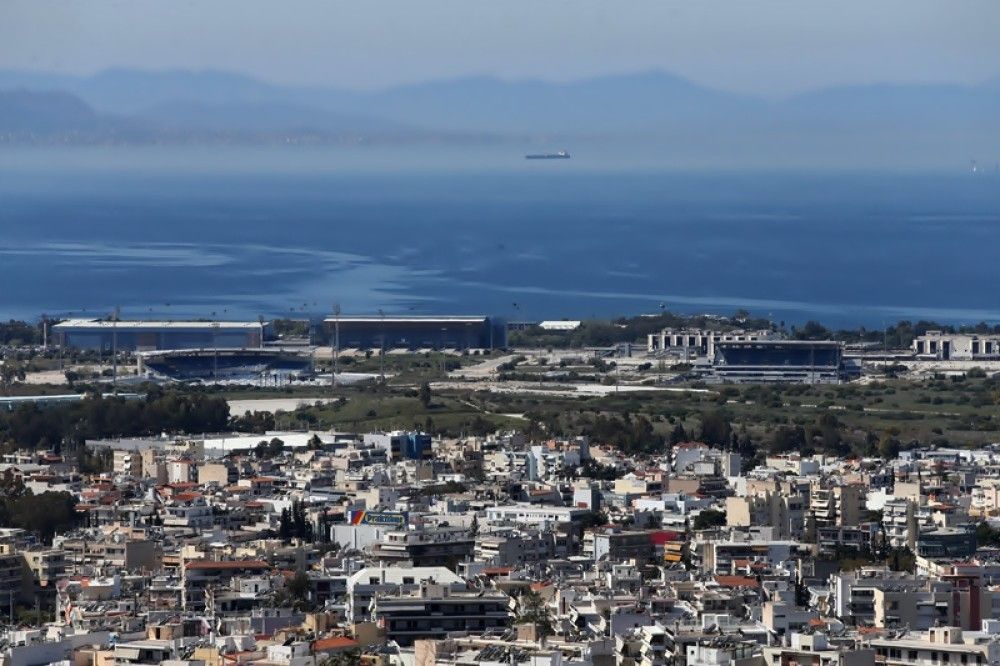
[769, 47]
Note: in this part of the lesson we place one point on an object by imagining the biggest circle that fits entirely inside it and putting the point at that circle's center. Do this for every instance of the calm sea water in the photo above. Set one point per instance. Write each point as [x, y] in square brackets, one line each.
[243, 234]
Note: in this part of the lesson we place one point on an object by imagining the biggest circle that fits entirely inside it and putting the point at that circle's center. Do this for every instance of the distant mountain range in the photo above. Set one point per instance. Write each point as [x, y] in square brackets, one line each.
[936, 122]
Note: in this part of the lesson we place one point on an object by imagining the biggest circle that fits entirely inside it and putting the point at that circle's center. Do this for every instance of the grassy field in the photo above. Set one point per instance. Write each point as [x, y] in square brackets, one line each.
[392, 409]
[957, 412]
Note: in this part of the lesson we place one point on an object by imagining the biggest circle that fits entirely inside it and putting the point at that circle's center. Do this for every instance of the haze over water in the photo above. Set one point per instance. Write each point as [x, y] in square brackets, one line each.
[243, 233]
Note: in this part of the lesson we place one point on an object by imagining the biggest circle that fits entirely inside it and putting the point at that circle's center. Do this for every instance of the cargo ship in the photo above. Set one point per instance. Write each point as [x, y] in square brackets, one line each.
[561, 155]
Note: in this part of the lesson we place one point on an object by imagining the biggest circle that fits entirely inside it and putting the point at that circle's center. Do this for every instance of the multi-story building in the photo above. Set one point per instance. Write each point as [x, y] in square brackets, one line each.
[937, 345]
[617, 545]
[425, 547]
[128, 463]
[195, 514]
[723, 651]
[691, 343]
[401, 445]
[199, 575]
[516, 547]
[526, 514]
[902, 519]
[643, 646]
[836, 506]
[784, 511]
[950, 542]
[434, 611]
[366, 584]
[105, 335]
[415, 332]
[939, 646]
[816, 650]
[13, 577]
[802, 361]
[48, 566]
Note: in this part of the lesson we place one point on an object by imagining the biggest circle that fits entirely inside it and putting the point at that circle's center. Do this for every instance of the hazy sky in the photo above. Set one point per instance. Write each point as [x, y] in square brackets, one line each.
[769, 46]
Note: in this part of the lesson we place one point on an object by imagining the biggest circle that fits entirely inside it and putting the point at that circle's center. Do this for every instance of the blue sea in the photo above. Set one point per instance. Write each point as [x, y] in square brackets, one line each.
[242, 233]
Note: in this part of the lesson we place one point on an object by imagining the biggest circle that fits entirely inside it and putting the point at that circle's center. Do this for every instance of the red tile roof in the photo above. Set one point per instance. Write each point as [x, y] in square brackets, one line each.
[334, 643]
[497, 571]
[737, 581]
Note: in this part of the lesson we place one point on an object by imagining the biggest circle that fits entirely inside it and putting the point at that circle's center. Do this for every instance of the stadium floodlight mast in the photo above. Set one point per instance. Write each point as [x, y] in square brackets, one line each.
[381, 356]
[114, 348]
[336, 345]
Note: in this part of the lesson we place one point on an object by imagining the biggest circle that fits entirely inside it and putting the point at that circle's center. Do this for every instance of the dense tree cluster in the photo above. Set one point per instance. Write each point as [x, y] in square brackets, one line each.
[97, 417]
[709, 518]
[825, 435]
[43, 514]
[631, 434]
[294, 524]
[258, 422]
[16, 333]
[266, 450]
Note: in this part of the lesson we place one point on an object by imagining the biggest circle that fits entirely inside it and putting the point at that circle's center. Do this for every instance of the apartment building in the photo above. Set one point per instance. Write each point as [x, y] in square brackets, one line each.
[836, 506]
[434, 611]
[816, 650]
[940, 646]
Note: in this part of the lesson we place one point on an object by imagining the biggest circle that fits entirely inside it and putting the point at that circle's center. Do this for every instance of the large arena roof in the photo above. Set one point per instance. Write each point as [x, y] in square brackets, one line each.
[142, 324]
[376, 319]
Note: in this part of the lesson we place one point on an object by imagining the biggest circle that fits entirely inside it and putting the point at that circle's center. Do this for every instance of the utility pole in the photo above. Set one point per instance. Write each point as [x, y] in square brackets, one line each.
[885, 347]
[215, 351]
[336, 345]
[114, 350]
[381, 357]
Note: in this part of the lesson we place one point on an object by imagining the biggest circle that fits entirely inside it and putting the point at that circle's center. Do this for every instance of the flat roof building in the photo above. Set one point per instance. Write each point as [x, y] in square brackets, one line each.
[936, 345]
[695, 342]
[415, 332]
[103, 335]
[801, 361]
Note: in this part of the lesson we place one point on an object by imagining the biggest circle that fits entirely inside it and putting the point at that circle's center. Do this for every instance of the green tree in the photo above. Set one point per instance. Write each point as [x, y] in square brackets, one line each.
[299, 586]
[425, 394]
[888, 447]
[532, 610]
[349, 658]
[716, 428]
[678, 434]
[788, 438]
[708, 518]
[10, 371]
[44, 514]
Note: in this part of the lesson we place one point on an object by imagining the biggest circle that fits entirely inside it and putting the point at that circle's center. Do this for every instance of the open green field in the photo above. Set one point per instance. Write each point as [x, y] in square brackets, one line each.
[390, 409]
[959, 412]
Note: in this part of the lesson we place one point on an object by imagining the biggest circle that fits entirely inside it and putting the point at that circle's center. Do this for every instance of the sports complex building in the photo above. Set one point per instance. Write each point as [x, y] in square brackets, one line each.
[240, 365]
[414, 332]
[798, 361]
[105, 336]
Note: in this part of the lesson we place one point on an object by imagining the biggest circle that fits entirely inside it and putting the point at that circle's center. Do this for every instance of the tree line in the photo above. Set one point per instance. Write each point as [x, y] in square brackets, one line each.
[97, 417]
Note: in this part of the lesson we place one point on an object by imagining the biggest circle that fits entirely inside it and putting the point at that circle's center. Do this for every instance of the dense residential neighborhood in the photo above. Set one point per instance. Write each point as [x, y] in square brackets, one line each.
[731, 495]
[400, 548]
